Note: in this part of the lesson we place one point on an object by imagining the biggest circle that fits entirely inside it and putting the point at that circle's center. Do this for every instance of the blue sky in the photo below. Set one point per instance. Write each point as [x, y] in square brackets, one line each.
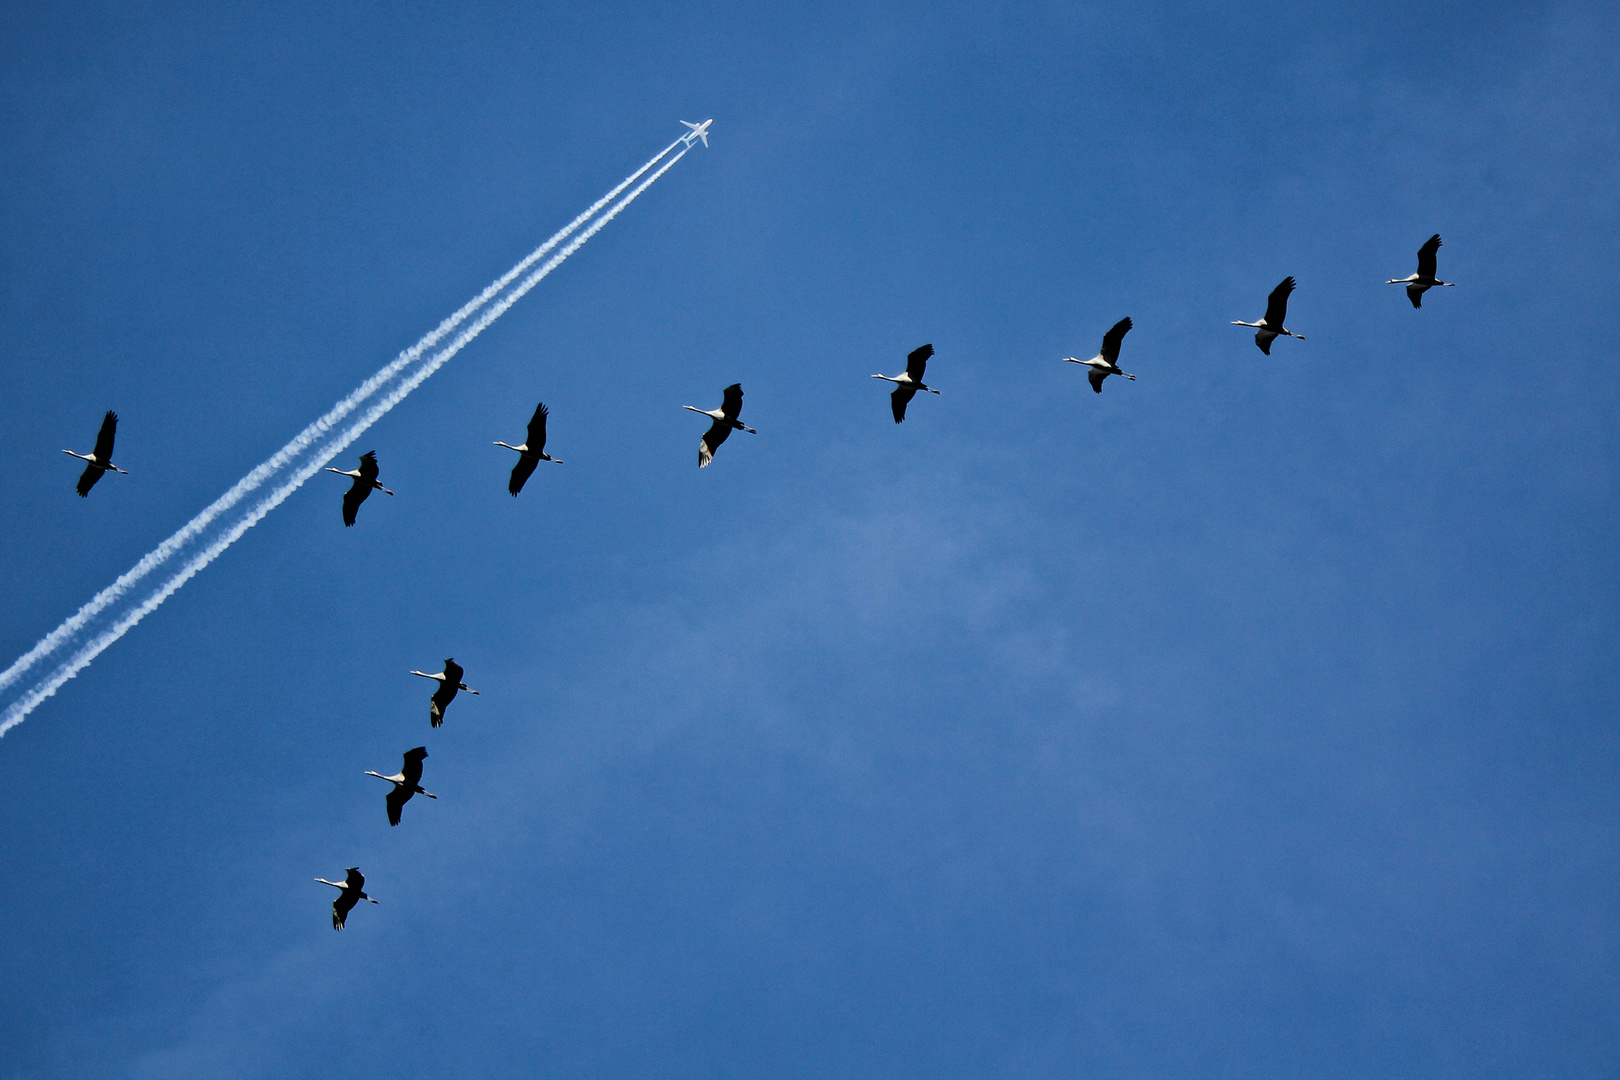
[1254, 719]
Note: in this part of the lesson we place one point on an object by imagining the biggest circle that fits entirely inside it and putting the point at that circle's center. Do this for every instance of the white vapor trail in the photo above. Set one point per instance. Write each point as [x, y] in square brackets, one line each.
[314, 434]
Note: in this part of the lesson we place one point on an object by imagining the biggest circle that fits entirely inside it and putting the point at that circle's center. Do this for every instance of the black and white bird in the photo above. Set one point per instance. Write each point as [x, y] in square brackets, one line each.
[365, 480]
[907, 384]
[1106, 362]
[531, 453]
[98, 460]
[449, 682]
[1424, 280]
[407, 782]
[351, 890]
[1271, 327]
[725, 422]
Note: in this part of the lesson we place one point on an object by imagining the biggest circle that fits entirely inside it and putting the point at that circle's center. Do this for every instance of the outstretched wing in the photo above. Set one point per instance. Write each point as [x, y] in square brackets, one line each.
[368, 468]
[357, 494]
[731, 405]
[718, 433]
[916, 362]
[537, 431]
[1112, 339]
[1414, 293]
[397, 799]
[88, 478]
[104, 438]
[521, 472]
[1428, 263]
[1277, 303]
[1097, 378]
[440, 701]
[412, 770]
[355, 879]
[342, 906]
[1264, 339]
[899, 399]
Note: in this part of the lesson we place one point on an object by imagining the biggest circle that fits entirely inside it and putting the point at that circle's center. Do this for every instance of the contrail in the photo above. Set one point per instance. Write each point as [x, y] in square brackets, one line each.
[256, 479]
[52, 642]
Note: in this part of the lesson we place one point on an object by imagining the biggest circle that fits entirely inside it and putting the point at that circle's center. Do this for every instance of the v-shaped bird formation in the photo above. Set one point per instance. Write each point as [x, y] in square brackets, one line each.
[407, 783]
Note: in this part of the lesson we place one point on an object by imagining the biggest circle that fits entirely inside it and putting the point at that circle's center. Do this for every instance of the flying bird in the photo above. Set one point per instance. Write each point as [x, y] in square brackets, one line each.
[531, 453]
[1271, 326]
[1420, 282]
[725, 421]
[1106, 362]
[365, 479]
[907, 385]
[449, 682]
[98, 460]
[351, 890]
[407, 782]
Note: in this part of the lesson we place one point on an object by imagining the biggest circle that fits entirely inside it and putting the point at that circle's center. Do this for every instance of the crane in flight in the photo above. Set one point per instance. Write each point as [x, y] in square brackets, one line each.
[725, 422]
[351, 890]
[407, 782]
[449, 682]
[531, 453]
[1271, 327]
[98, 460]
[365, 480]
[1106, 362]
[1424, 280]
[907, 384]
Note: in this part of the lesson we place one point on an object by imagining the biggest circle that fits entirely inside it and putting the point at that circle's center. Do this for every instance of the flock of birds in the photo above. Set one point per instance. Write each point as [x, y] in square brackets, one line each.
[408, 781]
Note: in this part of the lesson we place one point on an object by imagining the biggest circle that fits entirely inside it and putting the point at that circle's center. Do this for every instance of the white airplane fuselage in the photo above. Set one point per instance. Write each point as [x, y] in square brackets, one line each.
[699, 131]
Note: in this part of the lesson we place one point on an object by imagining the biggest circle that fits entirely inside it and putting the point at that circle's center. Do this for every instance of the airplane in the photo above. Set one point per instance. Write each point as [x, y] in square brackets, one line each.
[699, 131]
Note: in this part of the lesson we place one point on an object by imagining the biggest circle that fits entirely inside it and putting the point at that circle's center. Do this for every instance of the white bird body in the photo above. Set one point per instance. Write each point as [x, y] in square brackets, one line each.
[1106, 362]
[1271, 327]
[407, 782]
[1428, 265]
[531, 453]
[725, 422]
[351, 890]
[365, 482]
[449, 681]
[98, 462]
[908, 382]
